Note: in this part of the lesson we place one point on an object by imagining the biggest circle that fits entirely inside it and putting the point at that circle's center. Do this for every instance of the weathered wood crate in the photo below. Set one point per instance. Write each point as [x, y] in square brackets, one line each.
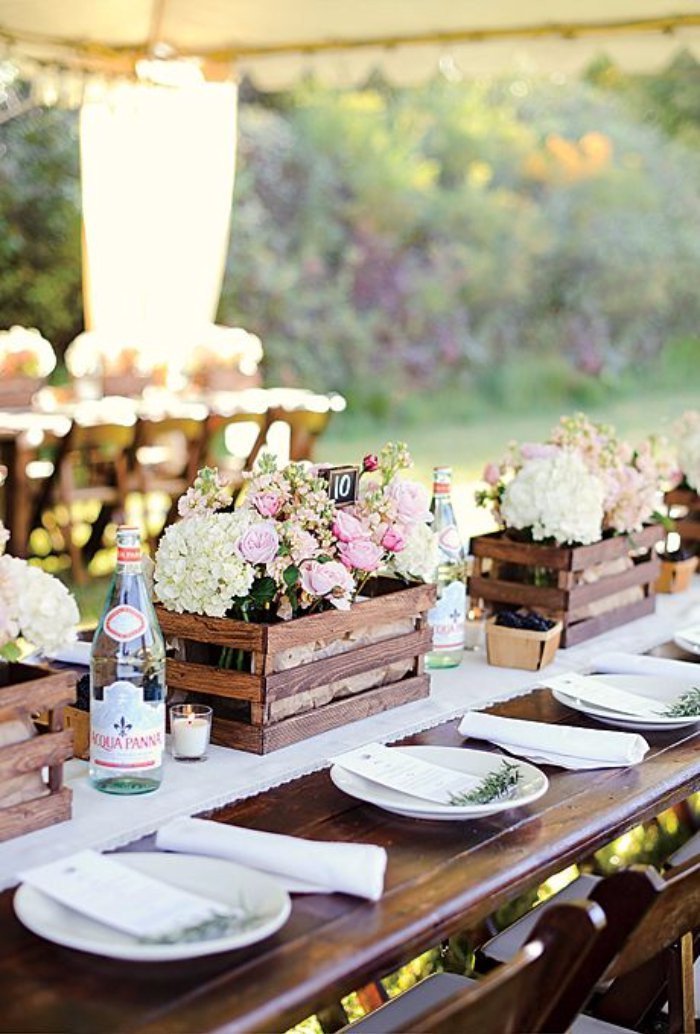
[308, 675]
[687, 525]
[590, 589]
[28, 800]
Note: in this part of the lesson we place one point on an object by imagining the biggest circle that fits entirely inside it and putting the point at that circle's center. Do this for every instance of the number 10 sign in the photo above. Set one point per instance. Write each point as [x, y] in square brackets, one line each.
[342, 483]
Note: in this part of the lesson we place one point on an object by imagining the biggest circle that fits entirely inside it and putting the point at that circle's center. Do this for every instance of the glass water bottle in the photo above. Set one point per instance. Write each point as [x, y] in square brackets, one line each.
[447, 618]
[127, 682]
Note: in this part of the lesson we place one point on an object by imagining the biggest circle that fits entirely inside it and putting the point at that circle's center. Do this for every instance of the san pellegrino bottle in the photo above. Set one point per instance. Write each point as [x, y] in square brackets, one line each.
[127, 681]
[447, 617]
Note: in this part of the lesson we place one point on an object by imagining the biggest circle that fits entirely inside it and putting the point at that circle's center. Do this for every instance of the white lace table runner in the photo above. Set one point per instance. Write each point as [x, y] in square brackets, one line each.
[102, 821]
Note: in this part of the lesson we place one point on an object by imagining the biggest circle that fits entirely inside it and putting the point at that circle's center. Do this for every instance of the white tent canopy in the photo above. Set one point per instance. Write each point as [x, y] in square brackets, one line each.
[342, 41]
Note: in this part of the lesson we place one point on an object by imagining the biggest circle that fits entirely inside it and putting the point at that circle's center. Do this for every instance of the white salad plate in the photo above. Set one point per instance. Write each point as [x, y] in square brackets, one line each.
[689, 640]
[265, 903]
[654, 687]
[531, 785]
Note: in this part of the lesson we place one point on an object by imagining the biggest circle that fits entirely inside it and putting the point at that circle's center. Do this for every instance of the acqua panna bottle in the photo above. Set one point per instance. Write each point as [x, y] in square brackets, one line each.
[447, 618]
[127, 681]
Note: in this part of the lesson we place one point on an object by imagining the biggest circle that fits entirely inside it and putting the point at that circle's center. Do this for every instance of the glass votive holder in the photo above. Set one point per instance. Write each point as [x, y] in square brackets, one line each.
[475, 629]
[190, 731]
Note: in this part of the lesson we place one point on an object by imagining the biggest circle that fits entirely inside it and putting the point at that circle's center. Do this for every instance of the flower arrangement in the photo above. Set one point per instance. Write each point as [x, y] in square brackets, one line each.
[581, 484]
[92, 354]
[33, 605]
[288, 549]
[686, 434]
[225, 348]
[25, 353]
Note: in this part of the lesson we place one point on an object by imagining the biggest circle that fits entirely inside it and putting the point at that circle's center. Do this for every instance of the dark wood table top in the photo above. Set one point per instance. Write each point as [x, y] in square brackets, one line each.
[441, 877]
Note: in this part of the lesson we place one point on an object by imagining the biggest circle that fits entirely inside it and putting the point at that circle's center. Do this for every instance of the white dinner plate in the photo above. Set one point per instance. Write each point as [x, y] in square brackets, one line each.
[653, 687]
[689, 645]
[265, 902]
[531, 785]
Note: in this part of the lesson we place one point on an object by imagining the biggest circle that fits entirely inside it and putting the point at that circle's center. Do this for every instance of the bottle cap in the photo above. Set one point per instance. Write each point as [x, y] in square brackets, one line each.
[442, 480]
[128, 544]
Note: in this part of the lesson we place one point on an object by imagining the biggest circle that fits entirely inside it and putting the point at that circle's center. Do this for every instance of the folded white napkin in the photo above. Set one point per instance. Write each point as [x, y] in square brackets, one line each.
[305, 866]
[616, 662]
[72, 653]
[564, 745]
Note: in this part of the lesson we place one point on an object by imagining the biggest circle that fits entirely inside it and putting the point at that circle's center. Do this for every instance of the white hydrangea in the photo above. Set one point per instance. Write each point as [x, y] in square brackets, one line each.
[419, 558]
[198, 569]
[689, 455]
[557, 497]
[41, 606]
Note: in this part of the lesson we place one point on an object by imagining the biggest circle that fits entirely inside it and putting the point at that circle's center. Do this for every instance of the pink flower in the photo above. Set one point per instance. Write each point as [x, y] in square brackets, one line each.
[259, 544]
[347, 527]
[492, 474]
[268, 504]
[304, 545]
[370, 462]
[537, 451]
[411, 501]
[330, 580]
[361, 554]
[394, 539]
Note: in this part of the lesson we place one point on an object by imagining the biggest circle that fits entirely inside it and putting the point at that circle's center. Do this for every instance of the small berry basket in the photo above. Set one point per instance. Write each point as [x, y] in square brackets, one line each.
[517, 640]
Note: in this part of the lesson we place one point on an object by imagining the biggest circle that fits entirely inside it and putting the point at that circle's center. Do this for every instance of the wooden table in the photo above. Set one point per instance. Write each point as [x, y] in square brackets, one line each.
[441, 877]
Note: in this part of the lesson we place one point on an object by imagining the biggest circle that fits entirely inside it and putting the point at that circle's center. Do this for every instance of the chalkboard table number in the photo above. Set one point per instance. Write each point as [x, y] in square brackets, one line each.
[342, 483]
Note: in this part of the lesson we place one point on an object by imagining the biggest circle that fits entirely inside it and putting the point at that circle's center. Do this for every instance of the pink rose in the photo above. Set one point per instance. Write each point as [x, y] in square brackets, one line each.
[347, 528]
[411, 501]
[259, 544]
[394, 539]
[268, 504]
[538, 451]
[329, 579]
[361, 554]
[491, 475]
[370, 462]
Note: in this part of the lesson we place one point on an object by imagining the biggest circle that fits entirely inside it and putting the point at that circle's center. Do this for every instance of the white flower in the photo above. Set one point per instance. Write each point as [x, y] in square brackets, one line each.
[557, 498]
[419, 558]
[36, 353]
[198, 568]
[41, 605]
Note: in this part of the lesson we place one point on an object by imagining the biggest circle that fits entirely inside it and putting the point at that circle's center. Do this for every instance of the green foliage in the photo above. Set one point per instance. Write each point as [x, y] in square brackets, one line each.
[40, 278]
[508, 240]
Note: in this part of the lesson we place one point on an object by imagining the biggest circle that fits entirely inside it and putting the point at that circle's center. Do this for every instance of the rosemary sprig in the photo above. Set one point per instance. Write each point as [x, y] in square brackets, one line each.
[493, 787]
[209, 930]
[687, 706]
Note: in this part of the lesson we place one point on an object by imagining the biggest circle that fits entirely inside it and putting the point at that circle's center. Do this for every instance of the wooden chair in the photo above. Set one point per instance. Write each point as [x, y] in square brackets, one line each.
[245, 431]
[91, 466]
[164, 458]
[305, 428]
[519, 996]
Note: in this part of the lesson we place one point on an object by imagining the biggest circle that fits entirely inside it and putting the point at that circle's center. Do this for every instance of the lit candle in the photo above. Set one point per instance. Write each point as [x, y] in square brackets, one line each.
[190, 736]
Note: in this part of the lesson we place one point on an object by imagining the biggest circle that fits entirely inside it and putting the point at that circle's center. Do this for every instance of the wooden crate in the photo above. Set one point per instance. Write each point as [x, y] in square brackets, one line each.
[26, 691]
[260, 692]
[687, 525]
[505, 571]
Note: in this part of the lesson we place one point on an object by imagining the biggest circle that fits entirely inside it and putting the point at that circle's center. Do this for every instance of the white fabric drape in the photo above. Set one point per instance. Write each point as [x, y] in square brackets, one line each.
[157, 181]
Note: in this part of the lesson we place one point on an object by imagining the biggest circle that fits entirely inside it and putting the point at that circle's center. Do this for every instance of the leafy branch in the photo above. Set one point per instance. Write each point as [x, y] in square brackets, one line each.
[493, 787]
[687, 706]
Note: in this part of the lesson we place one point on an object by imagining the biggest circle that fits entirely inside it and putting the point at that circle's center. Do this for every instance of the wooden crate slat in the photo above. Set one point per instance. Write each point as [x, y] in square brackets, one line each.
[688, 530]
[36, 814]
[51, 748]
[580, 631]
[496, 590]
[617, 546]
[497, 547]
[330, 716]
[226, 732]
[37, 694]
[640, 574]
[683, 497]
[344, 665]
[204, 629]
[219, 682]
[404, 601]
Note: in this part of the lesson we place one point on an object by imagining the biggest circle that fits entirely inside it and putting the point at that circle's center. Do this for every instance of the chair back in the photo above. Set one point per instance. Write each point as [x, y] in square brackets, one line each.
[521, 994]
[644, 955]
